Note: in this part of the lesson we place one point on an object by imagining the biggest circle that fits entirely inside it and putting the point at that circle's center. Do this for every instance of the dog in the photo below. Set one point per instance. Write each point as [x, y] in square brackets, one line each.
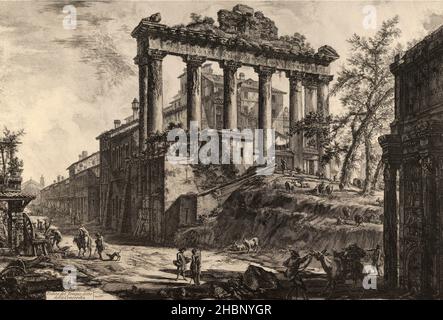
[115, 255]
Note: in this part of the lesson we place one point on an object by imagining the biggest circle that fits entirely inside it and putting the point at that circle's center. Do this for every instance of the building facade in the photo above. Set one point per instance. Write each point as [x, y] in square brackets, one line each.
[212, 103]
[413, 158]
[118, 177]
[76, 197]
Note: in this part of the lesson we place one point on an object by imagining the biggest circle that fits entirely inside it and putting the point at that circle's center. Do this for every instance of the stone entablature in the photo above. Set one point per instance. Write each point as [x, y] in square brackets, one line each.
[419, 80]
[215, 43]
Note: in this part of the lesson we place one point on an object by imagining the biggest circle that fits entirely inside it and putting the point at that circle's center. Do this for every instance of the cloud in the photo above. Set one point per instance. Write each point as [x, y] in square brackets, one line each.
[433, 22]
[65, 87]
[99, 50]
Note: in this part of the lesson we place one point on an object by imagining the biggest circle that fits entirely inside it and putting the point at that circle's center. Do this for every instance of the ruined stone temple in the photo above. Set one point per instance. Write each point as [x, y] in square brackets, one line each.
[413, 176]
[160, 201]
[242, 38]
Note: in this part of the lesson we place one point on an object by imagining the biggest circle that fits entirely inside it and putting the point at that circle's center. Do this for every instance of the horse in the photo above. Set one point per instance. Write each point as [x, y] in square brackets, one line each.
[83, 243]
[336, 271]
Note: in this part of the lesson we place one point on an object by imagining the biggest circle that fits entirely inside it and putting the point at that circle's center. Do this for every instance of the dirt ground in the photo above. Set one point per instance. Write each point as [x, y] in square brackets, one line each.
[147, 272]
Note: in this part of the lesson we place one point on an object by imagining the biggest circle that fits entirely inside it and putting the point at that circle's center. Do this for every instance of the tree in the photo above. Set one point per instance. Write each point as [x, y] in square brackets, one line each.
[11, 165]
[366, 88]
[321, 131]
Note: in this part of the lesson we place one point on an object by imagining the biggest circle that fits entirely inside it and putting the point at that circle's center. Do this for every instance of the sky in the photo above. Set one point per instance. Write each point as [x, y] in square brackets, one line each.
[66, 85]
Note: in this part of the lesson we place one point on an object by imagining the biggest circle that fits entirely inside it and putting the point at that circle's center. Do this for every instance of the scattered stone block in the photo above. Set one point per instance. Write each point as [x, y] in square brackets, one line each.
[256, 278]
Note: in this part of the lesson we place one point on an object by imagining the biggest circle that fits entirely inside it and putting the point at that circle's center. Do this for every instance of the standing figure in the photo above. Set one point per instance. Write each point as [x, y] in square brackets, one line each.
[283, 165]
[99, 244]
[82, 232]
[195, 266]
[376, 257]
[180, 263]
[295, 266]
[56, 237]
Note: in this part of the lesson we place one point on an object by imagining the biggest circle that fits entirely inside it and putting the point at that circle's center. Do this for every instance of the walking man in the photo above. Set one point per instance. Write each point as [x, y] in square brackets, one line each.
[295, 266]
[99, 244]
[180, 263]
[56, 238]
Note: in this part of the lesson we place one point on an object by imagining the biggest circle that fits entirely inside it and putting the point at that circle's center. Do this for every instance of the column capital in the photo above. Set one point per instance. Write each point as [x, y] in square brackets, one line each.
[154, 54]
[264, 71]
[230, 65]
[295, 75]
[193, 60]
[325, 79]
[310, 80]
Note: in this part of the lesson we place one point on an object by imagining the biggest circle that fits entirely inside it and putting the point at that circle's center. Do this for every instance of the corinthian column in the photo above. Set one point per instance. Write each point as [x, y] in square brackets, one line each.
[390, 225]
[323, 93]
[296, 114]
[230, 93]
[142, 63]
[193, 79]
[323, 108]
[264, 96]
[155, 91]
[310, 82]
[430, 231]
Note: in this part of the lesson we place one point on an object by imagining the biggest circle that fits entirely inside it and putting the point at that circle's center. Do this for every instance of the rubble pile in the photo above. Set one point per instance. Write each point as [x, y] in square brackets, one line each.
[254, 283]
[243, 19]
[242, 26]
[29, 279]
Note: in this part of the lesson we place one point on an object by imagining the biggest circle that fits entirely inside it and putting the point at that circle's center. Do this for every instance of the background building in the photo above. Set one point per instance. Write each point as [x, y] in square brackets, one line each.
[76, 197]
[212, 103]
[118, 178]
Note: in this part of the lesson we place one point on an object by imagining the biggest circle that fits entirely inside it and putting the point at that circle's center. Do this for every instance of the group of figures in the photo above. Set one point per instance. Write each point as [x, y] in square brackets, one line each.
[182, 261]
[343, 265]
[83, 240]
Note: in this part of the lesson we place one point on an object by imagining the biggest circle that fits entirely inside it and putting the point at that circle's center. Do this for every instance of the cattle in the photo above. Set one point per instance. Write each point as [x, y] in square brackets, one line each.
[237, 246]
[320, 187]
[329, 189]
[358, 219]
[251, 244]
[346, 213]
[290, 186]
[287, 186]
